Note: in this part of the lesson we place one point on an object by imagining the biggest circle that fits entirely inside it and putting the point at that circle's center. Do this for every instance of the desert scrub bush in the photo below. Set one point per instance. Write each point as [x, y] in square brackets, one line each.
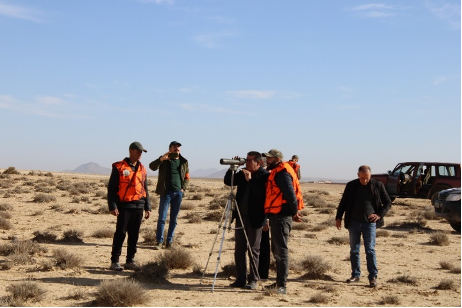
[218, 202]
[43, 189]
[446, 265]
[327, 211]
[339, 240]
[176, 258]
[43, 198]
[57, 207]
[455, 270]
[100, 209]
[6, 215]
[103, 233]
[197, 197]
[229, 270]
[100, 194]
[26, 291]
[11, 170]
[214, 216]
[300, 226]
[44, 237]
[314, 201]
[428, 213]
[315, 267]
[382, 233]
[319, 298]
[439, 238]
[5, 224]
[64, 185]
[21, 247]
[77, 294]
[5, 184]
[121, 293]
[185, 205]
[82, 187]
[72, 236]
[157, 272]
[65, 259]
[193, 218]
[149, 235]
[5, 207]
[390, 300]
[405, 279]
[446, 284]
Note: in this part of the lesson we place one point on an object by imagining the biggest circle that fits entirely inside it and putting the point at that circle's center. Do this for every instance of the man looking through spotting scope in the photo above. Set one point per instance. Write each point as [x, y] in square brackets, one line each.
[172, 181]
[283, 203]
[250, 198]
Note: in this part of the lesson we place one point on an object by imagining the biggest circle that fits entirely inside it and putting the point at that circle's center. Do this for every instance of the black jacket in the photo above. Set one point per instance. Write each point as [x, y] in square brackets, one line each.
[381, 201]
[257, 195]
[113, 187]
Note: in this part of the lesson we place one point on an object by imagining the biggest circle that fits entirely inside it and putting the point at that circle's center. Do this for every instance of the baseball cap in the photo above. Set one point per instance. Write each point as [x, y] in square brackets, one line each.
[137, 146]
[174, 143]
[273, 153]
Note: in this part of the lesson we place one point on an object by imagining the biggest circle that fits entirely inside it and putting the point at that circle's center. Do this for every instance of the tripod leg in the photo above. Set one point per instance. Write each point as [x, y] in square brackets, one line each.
[214, 241]
[228, 207]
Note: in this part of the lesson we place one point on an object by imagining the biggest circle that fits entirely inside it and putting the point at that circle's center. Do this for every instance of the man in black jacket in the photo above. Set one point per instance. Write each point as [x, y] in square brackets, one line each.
[127, 197]
[364, 202]
[250, 198]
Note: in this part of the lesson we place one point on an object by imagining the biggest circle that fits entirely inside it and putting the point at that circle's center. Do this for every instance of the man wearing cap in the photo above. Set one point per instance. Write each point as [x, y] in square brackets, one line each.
[293, 163]
[127, 197]
[173, 180]
[283, 202]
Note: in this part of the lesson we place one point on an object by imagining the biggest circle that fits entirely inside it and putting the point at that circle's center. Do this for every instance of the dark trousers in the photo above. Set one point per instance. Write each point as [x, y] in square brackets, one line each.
[280, 230]
[265, 255]
[240, 251]
[128, 221]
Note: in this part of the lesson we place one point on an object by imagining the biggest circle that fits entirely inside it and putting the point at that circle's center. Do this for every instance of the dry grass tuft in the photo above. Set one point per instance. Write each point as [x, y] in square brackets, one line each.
[194, 218]
[103, 233]
[455, 270]
[300, 226]
[25, 291]
[157, 272]
[43, 198]
[315, 267]
[382, 233]
[390, 300]
[439, 238]
[10, 170]
[5, 207]
[214, 216]
[314, 201]
[229, 270]
[72, 236]
[405, 279]
[175, 258]
[446, 265]
[319, 298]
[446, 284]
[187, 205]
[339, 240]
[149, 235]
[44, 237]
[65, 259]
[5, 224]
[121, 293]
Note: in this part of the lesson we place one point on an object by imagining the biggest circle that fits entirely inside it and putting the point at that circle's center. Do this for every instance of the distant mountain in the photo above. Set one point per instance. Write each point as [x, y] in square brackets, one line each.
[203, 173]
[92, 168]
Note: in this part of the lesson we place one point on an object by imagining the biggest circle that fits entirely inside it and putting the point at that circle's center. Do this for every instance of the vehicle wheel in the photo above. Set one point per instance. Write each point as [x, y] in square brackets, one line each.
[434, 197]
[455, 226]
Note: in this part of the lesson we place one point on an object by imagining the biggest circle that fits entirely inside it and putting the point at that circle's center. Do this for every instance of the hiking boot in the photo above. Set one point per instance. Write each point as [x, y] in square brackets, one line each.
[157, 246]
[373, 282]
[237, 284]
[168, 245]
[352, 279]
[282, 290]
[251, 285]
[116, 267]
[131, 265]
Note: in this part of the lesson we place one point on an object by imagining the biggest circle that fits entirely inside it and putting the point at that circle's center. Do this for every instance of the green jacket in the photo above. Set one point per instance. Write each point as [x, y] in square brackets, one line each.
[164, 174]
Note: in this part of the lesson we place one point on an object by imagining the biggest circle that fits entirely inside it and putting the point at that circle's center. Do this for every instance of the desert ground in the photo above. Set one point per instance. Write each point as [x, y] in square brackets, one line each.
[56, 236]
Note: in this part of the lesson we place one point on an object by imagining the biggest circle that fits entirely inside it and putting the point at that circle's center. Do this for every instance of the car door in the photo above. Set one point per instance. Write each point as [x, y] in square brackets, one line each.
[393, 180]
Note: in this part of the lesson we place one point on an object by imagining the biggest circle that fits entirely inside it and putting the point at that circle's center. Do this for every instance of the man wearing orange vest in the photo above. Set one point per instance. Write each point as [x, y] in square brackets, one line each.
[283, 203]
[293, 163]
[127, 198]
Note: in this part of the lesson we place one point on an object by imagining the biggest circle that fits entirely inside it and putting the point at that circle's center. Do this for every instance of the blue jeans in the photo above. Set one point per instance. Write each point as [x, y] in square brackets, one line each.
[355, 229]
[172, 198]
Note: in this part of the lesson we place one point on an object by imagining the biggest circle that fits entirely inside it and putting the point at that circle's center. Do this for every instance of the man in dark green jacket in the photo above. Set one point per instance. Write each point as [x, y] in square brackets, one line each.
[173, 180]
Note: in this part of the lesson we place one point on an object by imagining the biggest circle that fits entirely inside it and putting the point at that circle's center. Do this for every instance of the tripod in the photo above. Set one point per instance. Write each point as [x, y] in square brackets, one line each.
[230, 206]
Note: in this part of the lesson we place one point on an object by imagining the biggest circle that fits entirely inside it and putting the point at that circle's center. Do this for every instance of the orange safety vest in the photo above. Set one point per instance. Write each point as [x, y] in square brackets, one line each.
[294, 165]
[274, 200]
[131, 183]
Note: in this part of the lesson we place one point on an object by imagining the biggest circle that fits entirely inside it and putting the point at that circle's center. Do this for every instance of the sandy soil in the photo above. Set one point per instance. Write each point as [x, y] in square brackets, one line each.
[403, 251]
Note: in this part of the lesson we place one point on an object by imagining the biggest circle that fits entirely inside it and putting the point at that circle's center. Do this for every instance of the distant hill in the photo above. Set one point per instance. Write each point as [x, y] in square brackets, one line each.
[203, 173]
[92, 168]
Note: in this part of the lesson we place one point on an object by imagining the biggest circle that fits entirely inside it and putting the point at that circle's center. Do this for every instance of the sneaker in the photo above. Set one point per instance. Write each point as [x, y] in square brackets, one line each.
[168, 245]
[237, 284]
[157, 246]
[352, 279]
[116, 267]
[282, 290]
[373, 282]
[131, 265]
[251, 285]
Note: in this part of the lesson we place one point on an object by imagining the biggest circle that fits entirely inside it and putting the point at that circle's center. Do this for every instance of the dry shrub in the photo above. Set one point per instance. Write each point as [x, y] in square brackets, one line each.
[390, 300]
[319, 298]
[21, 247]
[5, 184]
[446, 284]
[214, 216]
[405, 279]
[82, 187]
[197, 197]
[43, 189]
[455, 270]
[26, 291]
[194, 218]
[57, 207]
[65, 259]
[64, 185]
[11, 170]
[300, 226]
[327, 211]
[5, 224]
[339, 240]
[446, 265]
[100, 209]
[218, 202]
[149, 235]
[72, 236]
[43, 198]
[382, 233]
[44, 237]
[121, 293]
[157, 272]
[439, 238]
[6, 215]
[314, 201]
[77, 294]
[101, 194]
[319, 227]
[5, 207]
[197, 270]
[315, 267]
[185, 205]
[47, 265]
[6, 266]
[103, 233]
[399, 235]
[229, 270]
[176, 258]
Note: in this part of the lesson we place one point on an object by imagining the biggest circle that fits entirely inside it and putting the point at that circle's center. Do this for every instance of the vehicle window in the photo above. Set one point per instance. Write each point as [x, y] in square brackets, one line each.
[433, 171]
[446, 171]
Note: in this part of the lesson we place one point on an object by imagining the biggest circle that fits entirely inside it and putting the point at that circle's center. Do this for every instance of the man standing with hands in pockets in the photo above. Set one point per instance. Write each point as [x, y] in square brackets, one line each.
[173, 180]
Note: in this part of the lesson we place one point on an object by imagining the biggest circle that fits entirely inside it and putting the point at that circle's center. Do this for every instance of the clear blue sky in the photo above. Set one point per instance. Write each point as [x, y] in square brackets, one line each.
[340, 83]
